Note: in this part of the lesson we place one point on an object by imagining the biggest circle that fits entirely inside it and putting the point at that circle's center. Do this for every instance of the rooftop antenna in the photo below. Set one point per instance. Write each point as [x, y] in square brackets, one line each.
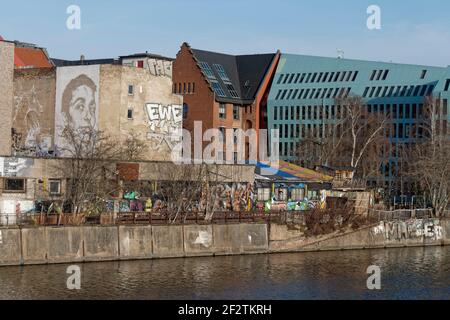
[340, 53]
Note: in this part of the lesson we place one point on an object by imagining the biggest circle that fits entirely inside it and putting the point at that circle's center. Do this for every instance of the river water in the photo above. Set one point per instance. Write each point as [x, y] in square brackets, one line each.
[410, 273]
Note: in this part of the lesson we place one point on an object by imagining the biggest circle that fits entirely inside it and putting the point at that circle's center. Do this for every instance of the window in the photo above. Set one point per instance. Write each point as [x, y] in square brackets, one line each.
[54, 187]
[130, 113]
[217, 89]
[325, 77]
[303, 77]
[355, 76]
[424, 74]
[222, 111]
[221, 71]
[424, 90]
[222, 131]
[385, 74]
[336, 78]
[189, 88]
[314, 77]
[380, 73]
[231, 90]
[280, 78]
[185, 110]
[374, 73]
[447, 85]
[365, 92]
[308, 77]
[207, 70]
[291, 78]
[130, 90]
[236, 112]
[14, 185]
[174, 88]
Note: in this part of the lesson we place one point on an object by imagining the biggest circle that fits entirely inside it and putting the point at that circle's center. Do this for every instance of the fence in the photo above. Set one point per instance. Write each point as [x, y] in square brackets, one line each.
[145, 218]
[141, 218]
[380, 215]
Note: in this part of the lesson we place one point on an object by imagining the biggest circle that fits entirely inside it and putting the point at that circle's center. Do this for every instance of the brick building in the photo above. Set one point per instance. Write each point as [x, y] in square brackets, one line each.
[223, 91]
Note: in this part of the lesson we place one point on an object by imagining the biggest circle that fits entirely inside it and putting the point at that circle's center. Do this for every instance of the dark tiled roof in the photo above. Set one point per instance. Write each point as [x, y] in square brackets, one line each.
[68, 63]
[246, 73]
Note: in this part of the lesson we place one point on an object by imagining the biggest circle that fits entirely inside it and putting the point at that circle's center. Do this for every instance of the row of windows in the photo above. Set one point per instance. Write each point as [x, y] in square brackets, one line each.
[326, 112]
[319, 131]
[184, 88]
[398, 91]
[307, 112]
[223, 113]
[317, 77]
[321, 93]
[378, 75]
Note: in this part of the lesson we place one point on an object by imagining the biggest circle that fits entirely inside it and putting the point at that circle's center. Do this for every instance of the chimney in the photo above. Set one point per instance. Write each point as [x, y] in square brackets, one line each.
[82, 58]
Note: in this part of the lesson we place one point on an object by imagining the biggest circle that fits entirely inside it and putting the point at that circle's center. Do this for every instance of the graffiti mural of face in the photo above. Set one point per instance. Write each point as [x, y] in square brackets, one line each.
[79, 104]
[82, 107]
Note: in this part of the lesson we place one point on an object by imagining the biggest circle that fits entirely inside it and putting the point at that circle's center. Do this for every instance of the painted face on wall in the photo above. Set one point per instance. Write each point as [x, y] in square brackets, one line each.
[79, 104]
[82, 107]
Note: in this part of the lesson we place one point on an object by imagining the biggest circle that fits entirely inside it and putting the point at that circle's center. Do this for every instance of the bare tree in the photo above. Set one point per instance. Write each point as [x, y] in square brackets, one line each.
[429, 161]
[134, 147]
[354, 138]
[89, 168]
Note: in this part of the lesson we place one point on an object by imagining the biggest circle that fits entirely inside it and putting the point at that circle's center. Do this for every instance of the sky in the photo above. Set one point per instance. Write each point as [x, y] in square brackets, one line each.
[412, 31]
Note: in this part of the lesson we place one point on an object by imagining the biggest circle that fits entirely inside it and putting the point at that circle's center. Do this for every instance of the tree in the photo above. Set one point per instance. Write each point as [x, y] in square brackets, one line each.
[89, 167]
[354, 138]
[429, 163]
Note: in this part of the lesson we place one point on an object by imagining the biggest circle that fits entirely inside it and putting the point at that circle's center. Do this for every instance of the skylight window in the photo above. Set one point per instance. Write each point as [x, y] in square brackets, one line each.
[218, 89]
[207, 70]
[222, 73]
[231, 90]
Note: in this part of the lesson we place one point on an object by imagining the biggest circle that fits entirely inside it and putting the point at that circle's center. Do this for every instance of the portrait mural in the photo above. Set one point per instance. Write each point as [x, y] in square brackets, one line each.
[77, 92]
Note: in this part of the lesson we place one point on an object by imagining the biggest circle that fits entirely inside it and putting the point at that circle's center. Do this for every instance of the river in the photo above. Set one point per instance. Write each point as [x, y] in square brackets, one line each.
[409, 273]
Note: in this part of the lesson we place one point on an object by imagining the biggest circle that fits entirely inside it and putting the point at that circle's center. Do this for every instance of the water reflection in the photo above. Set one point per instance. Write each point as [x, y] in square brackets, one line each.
[415, 273]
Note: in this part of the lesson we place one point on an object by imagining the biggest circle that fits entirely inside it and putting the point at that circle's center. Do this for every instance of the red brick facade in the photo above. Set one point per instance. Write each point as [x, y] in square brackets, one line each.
[189, 81]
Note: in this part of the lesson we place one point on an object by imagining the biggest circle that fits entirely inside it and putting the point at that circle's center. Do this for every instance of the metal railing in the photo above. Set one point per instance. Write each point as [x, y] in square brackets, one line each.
[402, 214]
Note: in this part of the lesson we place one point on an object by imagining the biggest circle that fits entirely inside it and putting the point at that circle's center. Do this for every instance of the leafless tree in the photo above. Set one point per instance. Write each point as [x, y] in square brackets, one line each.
[89, 167]
[429, 158]
[134, 147]
[355, 138]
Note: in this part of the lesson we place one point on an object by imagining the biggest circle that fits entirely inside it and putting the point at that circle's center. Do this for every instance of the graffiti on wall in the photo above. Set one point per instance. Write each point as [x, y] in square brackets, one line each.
[230, 197]
[165, 125]
[15, 167]
[29, 135]
[77, 91]
[411, 229]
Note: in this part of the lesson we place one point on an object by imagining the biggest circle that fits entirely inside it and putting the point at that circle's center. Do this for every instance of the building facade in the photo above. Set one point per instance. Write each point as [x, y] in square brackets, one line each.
[223, 91]
[302, 99]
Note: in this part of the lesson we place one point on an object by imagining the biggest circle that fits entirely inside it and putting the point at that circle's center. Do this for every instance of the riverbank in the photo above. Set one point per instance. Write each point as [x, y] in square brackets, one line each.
[51, 245]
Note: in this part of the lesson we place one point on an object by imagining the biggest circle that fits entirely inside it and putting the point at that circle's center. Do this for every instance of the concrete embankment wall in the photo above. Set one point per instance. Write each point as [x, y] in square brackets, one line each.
[413, 233]
[42, 245]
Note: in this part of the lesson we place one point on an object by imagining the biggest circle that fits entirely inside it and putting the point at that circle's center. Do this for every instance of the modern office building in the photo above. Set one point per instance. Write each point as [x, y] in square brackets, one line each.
[302, 98]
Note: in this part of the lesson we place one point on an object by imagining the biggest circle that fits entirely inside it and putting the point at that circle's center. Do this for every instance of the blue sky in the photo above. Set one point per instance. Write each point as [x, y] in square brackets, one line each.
[412, 31]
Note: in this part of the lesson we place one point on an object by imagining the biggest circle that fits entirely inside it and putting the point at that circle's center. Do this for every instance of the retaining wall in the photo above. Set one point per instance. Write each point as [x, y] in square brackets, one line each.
[42, 245]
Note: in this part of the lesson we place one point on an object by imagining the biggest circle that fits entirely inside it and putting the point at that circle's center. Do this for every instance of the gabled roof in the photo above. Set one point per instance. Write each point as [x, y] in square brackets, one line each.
[245, 72]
